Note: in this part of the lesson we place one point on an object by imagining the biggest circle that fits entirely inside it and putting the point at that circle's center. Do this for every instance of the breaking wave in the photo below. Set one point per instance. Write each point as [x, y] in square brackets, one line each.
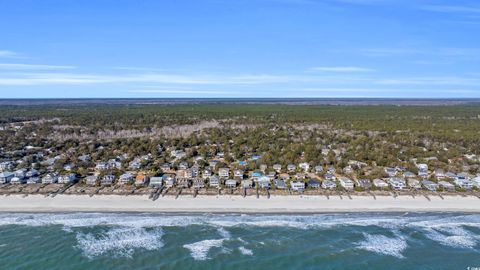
[245, 251]
[125, 232]
[199, 250]
[119, 241]
[381, 244]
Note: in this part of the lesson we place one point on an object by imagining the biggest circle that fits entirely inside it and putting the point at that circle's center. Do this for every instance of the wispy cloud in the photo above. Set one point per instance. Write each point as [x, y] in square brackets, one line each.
[341, 69]
[6, 53]
[464, 53]
[176, 91]
[12, 66]
[442, 81]
[452, 8]
[69, 78]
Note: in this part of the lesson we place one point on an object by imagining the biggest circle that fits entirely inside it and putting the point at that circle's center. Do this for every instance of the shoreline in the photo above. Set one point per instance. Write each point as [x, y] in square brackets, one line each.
[237, 204]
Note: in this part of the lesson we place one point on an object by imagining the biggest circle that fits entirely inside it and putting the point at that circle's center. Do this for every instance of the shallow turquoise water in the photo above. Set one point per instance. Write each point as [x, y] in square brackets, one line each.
[208, 241]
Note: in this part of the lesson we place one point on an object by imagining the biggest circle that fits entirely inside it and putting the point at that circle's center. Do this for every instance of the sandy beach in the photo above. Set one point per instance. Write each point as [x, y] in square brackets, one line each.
[237, 204]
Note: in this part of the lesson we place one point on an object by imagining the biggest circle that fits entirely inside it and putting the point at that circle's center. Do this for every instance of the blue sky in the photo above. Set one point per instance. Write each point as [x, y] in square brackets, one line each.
[241, 48]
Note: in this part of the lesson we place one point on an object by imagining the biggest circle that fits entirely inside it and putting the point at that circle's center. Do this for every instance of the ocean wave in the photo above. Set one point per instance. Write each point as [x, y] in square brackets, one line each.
[245, 251]
[199, 250]
[224, 221]
[119, 241]
[456, 237]
[381, 244]
[445, 229]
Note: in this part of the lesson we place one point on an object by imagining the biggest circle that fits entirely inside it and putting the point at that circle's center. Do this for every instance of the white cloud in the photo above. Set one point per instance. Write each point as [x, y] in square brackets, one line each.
[446, 80]
[69, 78]
[341, 69]
[12, 66]
[6, 53]
[176, 91]
[452, 8]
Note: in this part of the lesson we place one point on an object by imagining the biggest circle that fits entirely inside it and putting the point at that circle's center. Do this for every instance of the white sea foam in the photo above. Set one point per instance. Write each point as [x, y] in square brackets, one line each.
[225, 221]
[245, 251]
[445, 229]
[452, 236]
[199, 250]
[119, 241]
[224, 233]
[382, 244]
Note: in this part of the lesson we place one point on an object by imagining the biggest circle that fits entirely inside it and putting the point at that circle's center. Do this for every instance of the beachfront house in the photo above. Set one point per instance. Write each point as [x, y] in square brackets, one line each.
[91, 180]
[31, 173]
[247, 183]
[446, 185]
[279, 184]
[327, 184]
[264, 182]
[33, 180]
[17, 180]
[464, 183]
[312, 183]
[169, 180]
[141, 179]
[107, 180]
[364, 183]
[397, 183]
[291, 168]
[126, 178]
[297, 186]
[231, 183]
[476, 182]
[214, 181]
[277, 167]
[198, 183]
[50, 179]
[379, 183]
[224, 172]
[19, 173]
[463, 176]
[5, 177]
[67, 178]
[156, 181]
[183, 183]
[346, 183]
[414, 183]
[429, 185]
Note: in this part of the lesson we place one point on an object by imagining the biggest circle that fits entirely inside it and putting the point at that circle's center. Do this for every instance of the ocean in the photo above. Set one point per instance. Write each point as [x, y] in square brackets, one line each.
[239, 241]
